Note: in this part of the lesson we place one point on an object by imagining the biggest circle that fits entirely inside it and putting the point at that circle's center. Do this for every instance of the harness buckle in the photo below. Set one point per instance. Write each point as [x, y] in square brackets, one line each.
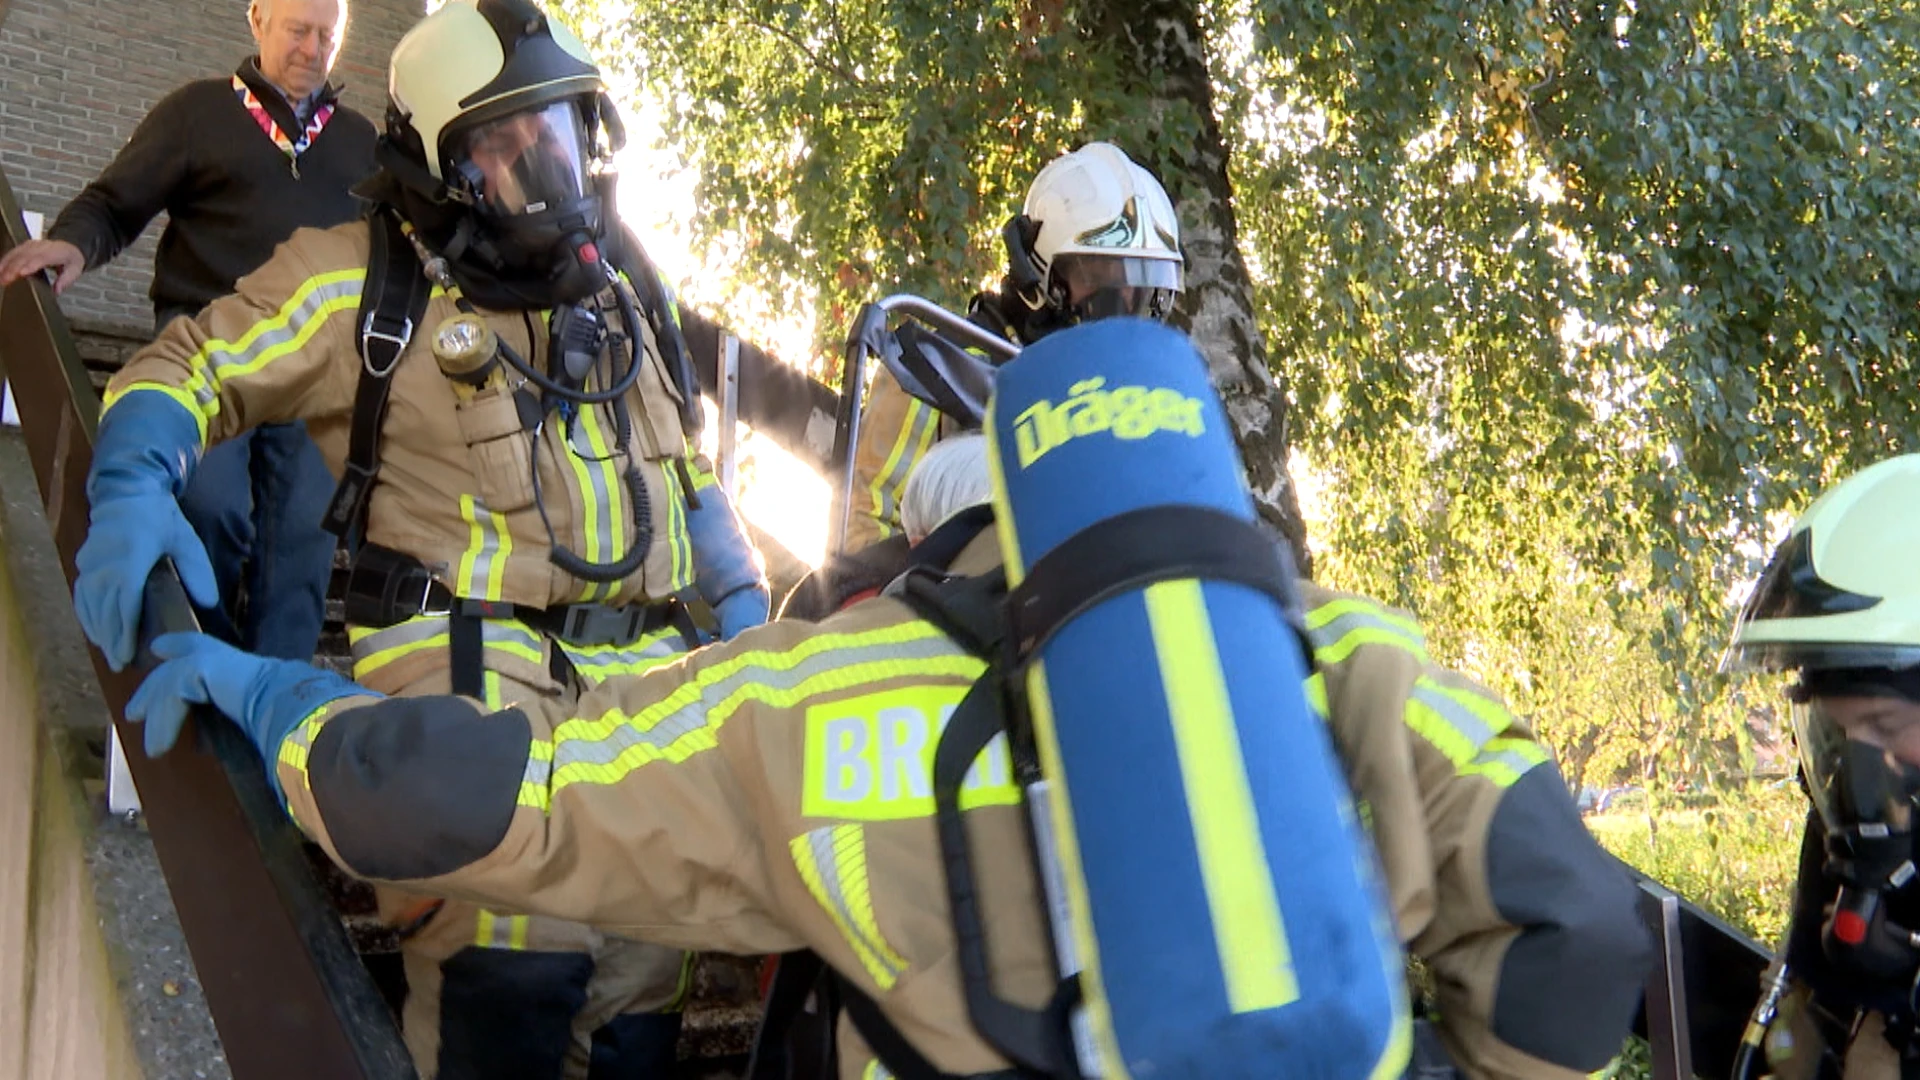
[591, 625]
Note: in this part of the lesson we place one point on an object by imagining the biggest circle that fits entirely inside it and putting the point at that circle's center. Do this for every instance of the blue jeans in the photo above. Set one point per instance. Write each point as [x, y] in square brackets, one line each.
[257, 501]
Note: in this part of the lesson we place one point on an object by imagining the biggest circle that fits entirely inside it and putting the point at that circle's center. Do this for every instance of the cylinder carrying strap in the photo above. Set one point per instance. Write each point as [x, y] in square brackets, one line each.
[393, 300]
[1138, 548]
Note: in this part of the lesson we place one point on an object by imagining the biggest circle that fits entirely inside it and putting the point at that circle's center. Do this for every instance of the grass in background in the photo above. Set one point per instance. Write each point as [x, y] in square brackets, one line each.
[1735, 857]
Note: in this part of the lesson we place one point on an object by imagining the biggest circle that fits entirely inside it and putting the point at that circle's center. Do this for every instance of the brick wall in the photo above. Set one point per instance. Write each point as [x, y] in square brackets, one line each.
[76, 76]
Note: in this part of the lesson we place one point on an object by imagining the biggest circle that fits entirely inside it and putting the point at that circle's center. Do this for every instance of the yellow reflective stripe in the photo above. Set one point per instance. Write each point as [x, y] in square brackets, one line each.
[1505, 761]
[679, 538]
[1254, 955]
[500, 931]
[483, 566]
[1395, 1056]
[833, 863]
[1003, 526]
[1093, 991]
[875, 1071]
[703, 477]
[603, 749]
[181, 396]
[1317, 694]
[533, 781]
[1338, 627]
[490, 694]
[295, 748]
[597, 537]
[909, 445]
[607, 489]
[683, 988]
[286, 331]
[1463, 724]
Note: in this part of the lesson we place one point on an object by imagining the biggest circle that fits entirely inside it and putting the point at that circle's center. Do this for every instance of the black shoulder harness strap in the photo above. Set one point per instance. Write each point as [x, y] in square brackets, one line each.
[663, 312]
[389, 314]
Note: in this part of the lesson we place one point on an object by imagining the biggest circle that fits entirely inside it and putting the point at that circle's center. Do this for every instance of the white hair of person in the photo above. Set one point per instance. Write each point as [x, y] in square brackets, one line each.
[952, 477]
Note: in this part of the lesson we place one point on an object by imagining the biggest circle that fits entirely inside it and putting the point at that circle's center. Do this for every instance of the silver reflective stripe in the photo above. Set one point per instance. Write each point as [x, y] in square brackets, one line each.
[539, 771]
[1353, 621]
[482, 572]
[825, 861]
[1462, 719]
[219, 362]
[663, 645]
[496, 930]
[410, 632]
[302, 733]
[693, 715]
[414, 631]
[501, 632]
[1517, 762]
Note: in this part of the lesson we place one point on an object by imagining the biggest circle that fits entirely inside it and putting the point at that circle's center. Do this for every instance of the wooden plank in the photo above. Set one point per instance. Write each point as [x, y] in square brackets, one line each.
[288, 995]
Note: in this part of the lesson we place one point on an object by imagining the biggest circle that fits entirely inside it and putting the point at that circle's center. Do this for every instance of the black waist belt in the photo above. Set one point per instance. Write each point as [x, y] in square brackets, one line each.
[385, 587]
[584, 625]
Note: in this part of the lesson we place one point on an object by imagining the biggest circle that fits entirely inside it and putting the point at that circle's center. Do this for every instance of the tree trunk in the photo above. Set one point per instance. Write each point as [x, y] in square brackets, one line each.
[1162, 54]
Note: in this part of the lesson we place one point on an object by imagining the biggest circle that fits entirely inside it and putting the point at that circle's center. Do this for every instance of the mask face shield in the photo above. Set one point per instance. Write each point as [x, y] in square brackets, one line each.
[525, 162]
[1107, 286]
[1860, 754]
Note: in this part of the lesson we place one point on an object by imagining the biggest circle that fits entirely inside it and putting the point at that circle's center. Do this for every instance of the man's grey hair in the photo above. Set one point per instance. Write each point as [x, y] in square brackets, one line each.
[952, 477]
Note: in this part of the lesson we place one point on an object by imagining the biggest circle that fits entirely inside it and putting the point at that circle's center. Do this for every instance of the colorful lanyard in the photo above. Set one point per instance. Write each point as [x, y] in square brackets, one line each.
[287, 146]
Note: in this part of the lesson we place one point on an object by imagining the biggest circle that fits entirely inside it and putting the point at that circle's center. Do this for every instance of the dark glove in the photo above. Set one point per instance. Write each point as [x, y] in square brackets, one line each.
[142, 456]
[267, 698]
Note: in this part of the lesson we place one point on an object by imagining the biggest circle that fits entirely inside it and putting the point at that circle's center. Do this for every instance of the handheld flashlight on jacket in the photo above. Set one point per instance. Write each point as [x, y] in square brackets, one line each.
[467, 351]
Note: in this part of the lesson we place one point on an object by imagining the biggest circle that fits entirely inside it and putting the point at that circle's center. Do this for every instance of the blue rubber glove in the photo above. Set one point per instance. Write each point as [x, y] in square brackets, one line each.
[726, 568]
[143, 453]
[743, 610]
[267, 698]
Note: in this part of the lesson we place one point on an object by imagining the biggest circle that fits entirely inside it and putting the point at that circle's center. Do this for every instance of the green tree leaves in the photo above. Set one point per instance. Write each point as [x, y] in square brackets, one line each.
[1572, 300]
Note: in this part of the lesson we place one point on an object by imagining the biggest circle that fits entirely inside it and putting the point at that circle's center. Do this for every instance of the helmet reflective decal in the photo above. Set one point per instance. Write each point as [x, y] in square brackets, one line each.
[1120, 232]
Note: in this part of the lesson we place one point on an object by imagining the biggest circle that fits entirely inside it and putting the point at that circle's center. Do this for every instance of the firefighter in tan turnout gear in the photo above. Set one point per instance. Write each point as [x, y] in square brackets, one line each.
[497, 371]
[770, 794]
[1097, 238]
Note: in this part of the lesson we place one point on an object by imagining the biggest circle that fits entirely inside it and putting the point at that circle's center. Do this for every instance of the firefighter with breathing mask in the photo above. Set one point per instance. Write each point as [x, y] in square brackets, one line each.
[498, 375]
[1839, 607]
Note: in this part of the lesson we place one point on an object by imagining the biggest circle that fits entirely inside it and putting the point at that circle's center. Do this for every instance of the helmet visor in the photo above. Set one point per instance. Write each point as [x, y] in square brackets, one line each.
[1102, 286]
[524, 162]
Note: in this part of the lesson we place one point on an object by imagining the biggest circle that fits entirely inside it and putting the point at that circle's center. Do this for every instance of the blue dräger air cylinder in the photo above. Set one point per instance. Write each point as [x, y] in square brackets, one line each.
[1225, 914]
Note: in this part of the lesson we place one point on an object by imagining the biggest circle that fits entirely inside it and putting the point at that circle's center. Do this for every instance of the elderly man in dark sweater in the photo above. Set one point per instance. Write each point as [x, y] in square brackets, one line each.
[238, 163]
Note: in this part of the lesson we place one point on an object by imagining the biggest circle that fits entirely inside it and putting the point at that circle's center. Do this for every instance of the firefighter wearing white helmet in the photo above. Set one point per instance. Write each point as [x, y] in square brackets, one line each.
[1839, 607]
[1097, 238]
[499, 375]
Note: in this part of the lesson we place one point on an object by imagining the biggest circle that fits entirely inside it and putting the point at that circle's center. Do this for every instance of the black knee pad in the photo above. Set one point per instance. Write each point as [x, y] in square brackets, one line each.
[1570, 983]
[507, 1015]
